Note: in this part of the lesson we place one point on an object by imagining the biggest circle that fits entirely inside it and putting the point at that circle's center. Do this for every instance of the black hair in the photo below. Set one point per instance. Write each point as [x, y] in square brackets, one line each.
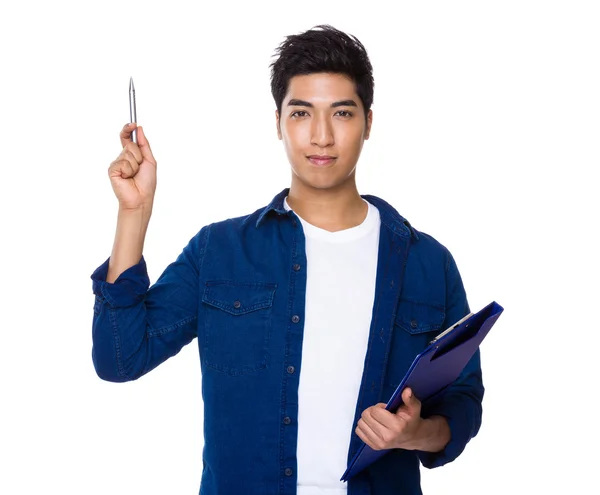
[322, 49]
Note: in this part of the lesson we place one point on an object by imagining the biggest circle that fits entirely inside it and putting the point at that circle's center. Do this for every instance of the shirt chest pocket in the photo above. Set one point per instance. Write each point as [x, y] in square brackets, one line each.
[420, 319]
[237, 320]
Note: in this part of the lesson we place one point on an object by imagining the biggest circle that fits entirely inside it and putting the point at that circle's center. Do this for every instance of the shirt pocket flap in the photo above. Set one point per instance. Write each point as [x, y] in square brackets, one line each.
[415, 317]
[238, 298]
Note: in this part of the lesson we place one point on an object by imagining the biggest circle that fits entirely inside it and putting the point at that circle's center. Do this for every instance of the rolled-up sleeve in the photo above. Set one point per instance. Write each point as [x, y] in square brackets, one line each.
[461, 403]
[129, 288]
[136, 326]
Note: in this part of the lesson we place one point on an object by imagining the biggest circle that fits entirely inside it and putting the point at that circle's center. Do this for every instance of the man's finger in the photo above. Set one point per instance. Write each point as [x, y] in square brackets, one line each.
[144, 146]
[125, 135]
[132, 148]
[383, 417]
[366, 434]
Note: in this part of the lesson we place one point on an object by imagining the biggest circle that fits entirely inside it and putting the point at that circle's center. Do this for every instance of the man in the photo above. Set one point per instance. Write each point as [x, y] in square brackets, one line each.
[308, 312]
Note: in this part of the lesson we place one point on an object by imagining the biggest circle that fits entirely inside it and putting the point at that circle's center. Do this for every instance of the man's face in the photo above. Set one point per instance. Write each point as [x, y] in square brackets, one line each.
[321, 115]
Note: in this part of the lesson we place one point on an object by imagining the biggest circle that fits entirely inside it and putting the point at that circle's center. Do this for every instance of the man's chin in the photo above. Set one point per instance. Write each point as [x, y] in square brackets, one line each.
[321, 183]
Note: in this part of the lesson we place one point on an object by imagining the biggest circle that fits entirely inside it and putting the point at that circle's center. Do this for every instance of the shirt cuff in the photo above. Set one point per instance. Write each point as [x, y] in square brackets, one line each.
[128, 289]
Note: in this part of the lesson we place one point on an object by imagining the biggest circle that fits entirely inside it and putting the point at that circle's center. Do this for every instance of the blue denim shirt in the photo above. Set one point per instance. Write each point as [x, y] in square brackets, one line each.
[239, 287]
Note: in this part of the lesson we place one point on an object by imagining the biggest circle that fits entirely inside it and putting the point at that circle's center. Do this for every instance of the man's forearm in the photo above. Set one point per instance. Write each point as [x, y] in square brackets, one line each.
[433, 434]
[129, 241]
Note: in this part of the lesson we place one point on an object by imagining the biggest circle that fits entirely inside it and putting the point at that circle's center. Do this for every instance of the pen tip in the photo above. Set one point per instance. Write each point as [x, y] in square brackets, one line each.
[131, 86]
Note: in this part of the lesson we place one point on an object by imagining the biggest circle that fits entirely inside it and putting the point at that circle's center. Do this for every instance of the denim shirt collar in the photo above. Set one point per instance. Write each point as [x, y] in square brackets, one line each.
[389, 216]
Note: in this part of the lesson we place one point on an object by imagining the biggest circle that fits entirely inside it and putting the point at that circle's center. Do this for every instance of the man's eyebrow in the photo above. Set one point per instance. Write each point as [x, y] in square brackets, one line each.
[344, 103]
[302, 103]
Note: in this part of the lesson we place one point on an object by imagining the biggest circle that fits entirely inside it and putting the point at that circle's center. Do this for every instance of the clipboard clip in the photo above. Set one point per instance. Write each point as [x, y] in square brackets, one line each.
[450, 328]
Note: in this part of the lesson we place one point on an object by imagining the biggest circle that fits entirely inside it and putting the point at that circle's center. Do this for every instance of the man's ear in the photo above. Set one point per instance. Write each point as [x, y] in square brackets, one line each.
[278, 124]
[369, 124]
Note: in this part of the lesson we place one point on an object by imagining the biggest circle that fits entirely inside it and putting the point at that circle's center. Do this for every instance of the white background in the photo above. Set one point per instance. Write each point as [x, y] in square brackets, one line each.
[485, 135]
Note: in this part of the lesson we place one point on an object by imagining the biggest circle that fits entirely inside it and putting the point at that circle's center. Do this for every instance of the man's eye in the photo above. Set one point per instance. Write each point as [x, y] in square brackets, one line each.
[345, 113]
[297, 112]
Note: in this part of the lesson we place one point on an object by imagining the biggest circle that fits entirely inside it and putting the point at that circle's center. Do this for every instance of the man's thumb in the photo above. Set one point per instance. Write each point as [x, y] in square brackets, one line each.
[144, 146]
[408, 397]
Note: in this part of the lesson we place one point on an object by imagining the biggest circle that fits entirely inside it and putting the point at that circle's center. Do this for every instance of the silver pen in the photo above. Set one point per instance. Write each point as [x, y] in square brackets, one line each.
[132, 112]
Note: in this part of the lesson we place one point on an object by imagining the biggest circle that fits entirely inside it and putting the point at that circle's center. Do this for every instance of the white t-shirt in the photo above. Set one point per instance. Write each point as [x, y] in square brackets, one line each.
[340, 290]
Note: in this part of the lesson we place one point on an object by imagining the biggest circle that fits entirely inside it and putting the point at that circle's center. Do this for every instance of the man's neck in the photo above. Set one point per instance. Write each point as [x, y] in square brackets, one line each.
[328, 209]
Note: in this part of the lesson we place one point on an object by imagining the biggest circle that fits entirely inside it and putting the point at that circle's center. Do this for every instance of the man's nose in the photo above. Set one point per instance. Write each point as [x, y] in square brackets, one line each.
[321, 132]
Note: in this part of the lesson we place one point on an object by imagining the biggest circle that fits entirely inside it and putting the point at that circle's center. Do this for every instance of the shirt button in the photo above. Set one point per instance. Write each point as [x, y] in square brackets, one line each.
[290, 369]
[413, 324]
[288, 472]
[287, 420]
[295, 318]
[296, 267]
[237, 304]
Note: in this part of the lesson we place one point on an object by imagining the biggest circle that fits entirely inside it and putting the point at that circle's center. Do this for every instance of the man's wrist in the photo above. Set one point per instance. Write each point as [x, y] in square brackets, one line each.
[432, 435]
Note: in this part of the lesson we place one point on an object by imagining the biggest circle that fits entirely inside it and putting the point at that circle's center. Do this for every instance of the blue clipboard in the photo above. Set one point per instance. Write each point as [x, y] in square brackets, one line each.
[434, 369]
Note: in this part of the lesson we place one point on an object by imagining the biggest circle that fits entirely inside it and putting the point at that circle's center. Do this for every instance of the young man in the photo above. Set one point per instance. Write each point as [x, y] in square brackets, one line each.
[308, 312]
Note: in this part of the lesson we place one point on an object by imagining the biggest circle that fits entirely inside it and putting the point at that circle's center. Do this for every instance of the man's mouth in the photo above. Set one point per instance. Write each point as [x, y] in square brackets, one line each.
[321, 160]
